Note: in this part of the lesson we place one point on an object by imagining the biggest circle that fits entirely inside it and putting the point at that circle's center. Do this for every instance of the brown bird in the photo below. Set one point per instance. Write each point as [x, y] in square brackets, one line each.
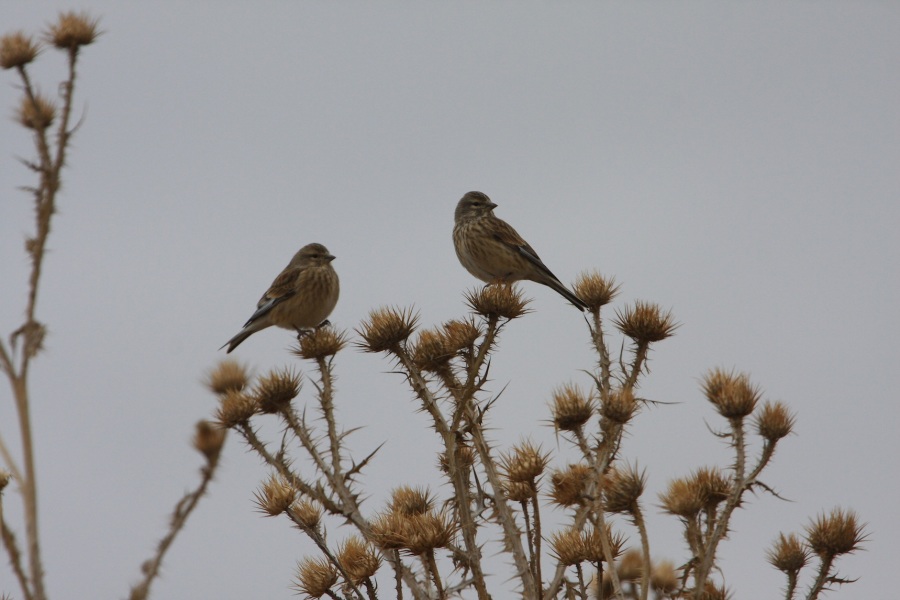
[300, 298]
[491, 250]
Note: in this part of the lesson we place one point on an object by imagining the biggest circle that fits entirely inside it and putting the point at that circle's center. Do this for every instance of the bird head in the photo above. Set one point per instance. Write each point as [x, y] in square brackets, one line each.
[312, 254]
[474, 205]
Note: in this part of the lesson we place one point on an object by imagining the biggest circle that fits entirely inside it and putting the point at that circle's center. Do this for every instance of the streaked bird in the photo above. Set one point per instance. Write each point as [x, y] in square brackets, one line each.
[300, 298]
[491, 250]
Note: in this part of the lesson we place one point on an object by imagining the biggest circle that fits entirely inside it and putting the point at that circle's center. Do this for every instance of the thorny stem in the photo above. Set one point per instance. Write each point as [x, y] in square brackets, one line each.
[316, 537]
[183, 510]
[638, 516]
[822, 578]
[12, 549]
[739, 484]
[431, 565]
[536, 509]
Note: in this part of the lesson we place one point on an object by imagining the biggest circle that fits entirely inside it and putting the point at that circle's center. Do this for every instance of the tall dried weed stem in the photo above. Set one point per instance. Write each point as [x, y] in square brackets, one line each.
[435, 546]
[49, 121]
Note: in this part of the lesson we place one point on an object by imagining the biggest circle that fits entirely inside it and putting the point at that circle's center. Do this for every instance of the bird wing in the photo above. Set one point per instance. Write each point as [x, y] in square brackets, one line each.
[504, 232]
[284, 286]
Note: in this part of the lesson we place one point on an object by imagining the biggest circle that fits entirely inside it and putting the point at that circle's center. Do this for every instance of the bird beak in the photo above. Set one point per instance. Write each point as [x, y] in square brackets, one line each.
[491, 206]
[330, 257]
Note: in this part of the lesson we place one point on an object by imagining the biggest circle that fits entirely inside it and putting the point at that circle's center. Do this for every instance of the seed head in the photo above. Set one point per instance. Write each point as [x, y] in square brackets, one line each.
[682, 499]
[229, 375]
[37, 113]
[592, 544]
[498, 301]
[389, 530]
[835, 534]
[571, 408]
[208, 440]
[410, 501]
[386, 328]
[595, 289]
[235, 408]
[619, 407]
[358, 559]
[72, 30]
[307, 513]
[623, 488]
[645, 322]
[631, 566]
[711, 485]
[17, 50]
[664, 578]
[788, 554]
[731, 393]
[316, 576]
[711, 591]
[567, 547]
[519, 491]
[774, 421]
[460, 335]
[427, 532]
[431, 352]
[569, 485]
[525, 463]
[465, 458]
[275, 496]
[320, 343]
[275, 390]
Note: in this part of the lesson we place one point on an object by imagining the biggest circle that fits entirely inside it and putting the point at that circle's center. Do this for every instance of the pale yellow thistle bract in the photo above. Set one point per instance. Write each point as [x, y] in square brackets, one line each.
[525, 462]
[498, 301]
[645, 322]
[358, 559]
[307, 512]
[622, 488]
[774, 421]
[839, 532]
[235, 408]
[731, 393]
[571, 407]
[569, 485]
[276, 390]
[275, 496]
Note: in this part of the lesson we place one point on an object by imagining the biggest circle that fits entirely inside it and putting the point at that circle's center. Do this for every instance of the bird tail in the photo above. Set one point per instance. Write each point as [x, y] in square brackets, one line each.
[568, 295]
[242, 335]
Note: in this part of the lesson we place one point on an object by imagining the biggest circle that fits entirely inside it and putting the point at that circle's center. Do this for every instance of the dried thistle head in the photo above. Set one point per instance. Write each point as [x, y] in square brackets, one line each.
[645, 322]
[275, 496]
[431, 352]
[682, 498]
[358, 559]
[631, 566]
[208, 440]
[386, 328]
[519, 491]
[36, 113]
[619, 407]
[229, 375]
[567, 547]
[731, 393]
[592, 544]
[465, 458]
[427, 532]
[235, 408]
[17, 50]
[774, 421]
[834, 534]
[711, 591]
[409, 501]
[320, 343]
[622, 488]
[664, 578]
[316, 577]
[571, 407]
[498, 301]
[525, 463]
[460, 334]
[275, 390]
[595, 289]
[568, 486]
[711, 486]
[72, 30]
[389, 530]
[788, 554]
[307, 513]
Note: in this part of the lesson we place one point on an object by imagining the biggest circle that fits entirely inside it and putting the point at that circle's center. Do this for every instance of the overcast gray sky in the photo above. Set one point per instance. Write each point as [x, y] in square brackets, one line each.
[735, 162]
